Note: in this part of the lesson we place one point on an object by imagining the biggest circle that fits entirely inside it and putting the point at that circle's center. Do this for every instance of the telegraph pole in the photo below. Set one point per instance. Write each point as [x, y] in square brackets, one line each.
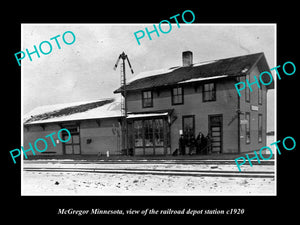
[124, 57]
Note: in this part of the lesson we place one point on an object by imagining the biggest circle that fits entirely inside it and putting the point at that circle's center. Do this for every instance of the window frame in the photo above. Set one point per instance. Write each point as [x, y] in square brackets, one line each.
[148, 132]
[144, 100]
[159, 131]
[173, 96]
[213, 91]
[151, 133]
[260, 95]
[193, 124]
[139, 134]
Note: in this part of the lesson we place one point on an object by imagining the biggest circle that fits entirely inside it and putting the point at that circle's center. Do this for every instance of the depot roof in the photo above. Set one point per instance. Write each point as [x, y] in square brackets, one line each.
[96, 109]
[214, 69]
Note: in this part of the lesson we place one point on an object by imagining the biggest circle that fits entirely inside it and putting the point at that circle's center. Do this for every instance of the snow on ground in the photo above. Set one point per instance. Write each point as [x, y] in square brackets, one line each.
[78, 183]
[46, 183]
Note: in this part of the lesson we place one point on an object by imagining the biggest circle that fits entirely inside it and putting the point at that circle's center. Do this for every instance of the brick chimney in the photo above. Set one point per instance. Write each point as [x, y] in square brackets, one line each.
[187, 58]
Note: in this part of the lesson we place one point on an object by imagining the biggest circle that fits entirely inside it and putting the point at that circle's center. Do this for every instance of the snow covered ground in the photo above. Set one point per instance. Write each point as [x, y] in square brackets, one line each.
[79, 183]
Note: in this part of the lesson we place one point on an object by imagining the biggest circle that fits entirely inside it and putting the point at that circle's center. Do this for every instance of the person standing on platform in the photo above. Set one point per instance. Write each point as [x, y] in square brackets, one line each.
[181, 145]
[192, 144]
[199, 140]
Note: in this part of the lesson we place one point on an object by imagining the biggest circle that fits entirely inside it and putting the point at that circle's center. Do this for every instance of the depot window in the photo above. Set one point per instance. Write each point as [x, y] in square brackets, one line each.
[177, 96]
[260, 95]
[147, 99]
[209, 92]
[149, 133]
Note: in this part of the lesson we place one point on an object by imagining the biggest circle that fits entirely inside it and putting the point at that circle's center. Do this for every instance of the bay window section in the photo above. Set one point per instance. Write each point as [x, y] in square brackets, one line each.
[148, 129]
[158, 132]
[138, 133]
[150, 133]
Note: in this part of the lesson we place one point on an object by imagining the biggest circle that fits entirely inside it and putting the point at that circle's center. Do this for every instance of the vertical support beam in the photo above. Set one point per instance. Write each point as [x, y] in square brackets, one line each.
[143, 135]
[125, 135]
[125, 104]
[264, 91]
[153, 138]
[124, 111]
[239, 120]
[165, 124]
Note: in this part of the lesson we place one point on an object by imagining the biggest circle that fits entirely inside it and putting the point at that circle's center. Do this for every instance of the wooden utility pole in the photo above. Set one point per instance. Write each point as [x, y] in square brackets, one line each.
[124, 57]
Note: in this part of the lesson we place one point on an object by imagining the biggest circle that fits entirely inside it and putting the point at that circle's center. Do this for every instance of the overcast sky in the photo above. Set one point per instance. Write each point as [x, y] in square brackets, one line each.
[84, 70]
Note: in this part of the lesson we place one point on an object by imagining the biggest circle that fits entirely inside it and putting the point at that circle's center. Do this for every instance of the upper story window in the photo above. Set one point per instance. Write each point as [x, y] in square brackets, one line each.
[260, 96]
[147, 99]
[209, 92]
[177, 95]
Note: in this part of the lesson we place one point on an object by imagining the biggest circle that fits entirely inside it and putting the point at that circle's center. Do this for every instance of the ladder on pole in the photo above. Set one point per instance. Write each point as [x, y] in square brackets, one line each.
[124, 125]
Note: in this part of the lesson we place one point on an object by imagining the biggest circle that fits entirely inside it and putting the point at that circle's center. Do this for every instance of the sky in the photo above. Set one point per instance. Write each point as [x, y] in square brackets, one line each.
[84, 71]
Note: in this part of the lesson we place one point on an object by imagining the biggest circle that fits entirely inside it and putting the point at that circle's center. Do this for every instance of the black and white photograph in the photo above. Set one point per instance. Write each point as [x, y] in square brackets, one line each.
[164, 109]
[146, 111]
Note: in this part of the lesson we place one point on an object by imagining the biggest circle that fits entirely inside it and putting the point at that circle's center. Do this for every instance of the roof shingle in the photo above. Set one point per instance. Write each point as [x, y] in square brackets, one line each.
[235, 66]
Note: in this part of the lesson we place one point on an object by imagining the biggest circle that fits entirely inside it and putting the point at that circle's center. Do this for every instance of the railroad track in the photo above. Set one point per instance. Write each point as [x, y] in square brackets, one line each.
[178, 161]
[165, 172]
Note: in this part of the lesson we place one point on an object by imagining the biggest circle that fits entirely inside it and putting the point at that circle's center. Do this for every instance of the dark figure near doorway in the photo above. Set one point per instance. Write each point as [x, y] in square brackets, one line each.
[208, 143]
[204, 146]
[192, 144]
[199, 143]
[181, 144]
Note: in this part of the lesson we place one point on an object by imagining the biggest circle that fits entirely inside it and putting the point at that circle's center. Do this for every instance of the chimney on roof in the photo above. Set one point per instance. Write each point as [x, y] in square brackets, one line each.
[187, 58]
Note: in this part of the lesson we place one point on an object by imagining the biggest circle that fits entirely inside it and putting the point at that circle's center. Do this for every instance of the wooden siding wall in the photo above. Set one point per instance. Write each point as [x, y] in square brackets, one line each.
[262, 109]
[33, 132]
[102, 138]
[94, 139]
[225, 104]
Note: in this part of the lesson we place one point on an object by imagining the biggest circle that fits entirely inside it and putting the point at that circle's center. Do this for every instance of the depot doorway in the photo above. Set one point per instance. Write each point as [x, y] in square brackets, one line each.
[72, 147]
[215, 124]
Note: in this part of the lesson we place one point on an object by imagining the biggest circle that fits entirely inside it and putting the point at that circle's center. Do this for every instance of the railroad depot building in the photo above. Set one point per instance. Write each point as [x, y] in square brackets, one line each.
[198, 97]
[162, 104]
[94, 127]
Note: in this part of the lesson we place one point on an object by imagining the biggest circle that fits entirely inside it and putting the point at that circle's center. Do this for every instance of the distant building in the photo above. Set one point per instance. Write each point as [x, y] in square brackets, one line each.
[198, 97]
[94, 126]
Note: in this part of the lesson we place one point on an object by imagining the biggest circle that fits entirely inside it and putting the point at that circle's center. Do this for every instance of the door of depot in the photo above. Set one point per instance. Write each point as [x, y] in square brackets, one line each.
[215, 130]
[72, 147]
